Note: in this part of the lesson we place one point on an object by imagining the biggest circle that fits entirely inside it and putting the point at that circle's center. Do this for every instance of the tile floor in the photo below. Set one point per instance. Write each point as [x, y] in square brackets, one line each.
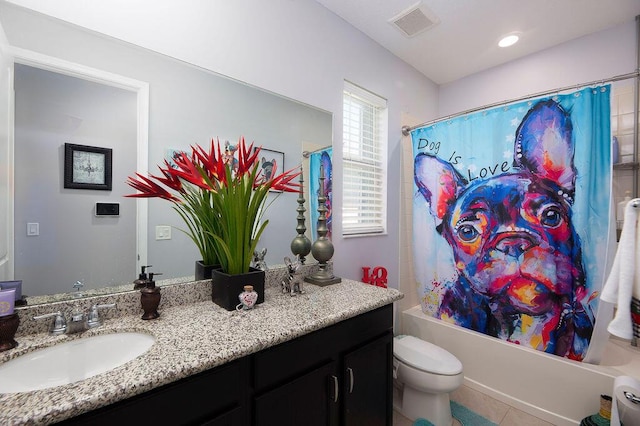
[494, 410]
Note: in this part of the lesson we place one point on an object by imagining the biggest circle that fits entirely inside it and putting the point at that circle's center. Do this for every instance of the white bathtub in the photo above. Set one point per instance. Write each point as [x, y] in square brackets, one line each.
[555, 389]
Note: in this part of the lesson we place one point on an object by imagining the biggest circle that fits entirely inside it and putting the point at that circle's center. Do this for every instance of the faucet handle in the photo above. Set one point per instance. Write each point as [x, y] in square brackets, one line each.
[59, 324]
[93, 320]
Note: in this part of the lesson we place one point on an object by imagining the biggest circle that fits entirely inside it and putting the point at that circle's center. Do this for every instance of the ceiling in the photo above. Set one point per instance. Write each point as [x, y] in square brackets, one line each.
[465, 40]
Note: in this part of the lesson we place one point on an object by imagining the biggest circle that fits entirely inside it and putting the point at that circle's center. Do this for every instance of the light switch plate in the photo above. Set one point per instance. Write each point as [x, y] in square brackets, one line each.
[33, 229]
[163, 232]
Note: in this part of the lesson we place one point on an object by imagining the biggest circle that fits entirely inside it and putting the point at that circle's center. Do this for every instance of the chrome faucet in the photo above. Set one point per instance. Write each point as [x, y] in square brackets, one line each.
[79, 321]
[93, 318]
[59, 324]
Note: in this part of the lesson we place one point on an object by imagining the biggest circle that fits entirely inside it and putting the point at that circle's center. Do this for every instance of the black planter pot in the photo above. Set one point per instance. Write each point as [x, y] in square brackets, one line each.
[203, 272]
[226, 288]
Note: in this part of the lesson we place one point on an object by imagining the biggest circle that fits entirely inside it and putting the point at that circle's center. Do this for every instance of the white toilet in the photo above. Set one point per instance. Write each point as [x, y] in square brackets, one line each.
[424, 374]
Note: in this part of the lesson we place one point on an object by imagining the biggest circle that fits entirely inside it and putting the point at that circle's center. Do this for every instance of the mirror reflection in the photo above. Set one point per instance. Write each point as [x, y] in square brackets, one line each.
[187, 105]
[60, 238]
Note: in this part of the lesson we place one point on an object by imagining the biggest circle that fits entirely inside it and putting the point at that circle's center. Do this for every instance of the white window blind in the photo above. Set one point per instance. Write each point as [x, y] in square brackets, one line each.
[364, 162]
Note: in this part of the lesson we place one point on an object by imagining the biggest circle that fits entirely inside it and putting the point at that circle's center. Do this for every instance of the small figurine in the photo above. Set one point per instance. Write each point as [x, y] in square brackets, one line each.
[258, 261]
[292, 284]
[229, 155]
[268, 168]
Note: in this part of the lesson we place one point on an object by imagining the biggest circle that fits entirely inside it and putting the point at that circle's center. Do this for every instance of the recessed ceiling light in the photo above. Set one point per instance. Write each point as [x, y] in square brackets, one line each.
[509, 40]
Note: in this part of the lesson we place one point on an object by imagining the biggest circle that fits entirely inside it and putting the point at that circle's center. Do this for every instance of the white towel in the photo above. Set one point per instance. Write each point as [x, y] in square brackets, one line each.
[623, 281]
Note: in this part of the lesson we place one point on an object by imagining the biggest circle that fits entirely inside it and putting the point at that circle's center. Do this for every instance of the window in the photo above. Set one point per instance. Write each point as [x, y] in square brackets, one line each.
[364, 159]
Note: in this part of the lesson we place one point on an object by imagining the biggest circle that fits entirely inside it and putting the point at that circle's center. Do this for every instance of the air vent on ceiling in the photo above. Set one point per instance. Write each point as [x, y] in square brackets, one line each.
[414, 20]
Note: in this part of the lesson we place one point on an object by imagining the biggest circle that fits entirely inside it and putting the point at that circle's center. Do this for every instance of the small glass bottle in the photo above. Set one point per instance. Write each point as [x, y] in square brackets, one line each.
[248, 298]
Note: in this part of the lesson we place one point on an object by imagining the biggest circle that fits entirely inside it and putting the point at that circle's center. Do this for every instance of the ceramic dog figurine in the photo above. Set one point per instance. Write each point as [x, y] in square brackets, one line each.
[292, 284]
[517, 255]
[258, 261]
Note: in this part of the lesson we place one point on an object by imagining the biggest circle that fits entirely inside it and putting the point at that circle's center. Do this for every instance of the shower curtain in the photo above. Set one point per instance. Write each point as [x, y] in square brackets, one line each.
[321, 158]
[511, 219]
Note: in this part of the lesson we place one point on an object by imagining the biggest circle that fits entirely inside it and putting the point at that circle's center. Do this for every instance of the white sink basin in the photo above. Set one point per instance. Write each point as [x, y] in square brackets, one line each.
[72, 361]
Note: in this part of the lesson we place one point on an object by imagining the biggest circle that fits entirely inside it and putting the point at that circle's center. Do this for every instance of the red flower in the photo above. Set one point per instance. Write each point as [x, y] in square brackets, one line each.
[221, 201]
[149, 189]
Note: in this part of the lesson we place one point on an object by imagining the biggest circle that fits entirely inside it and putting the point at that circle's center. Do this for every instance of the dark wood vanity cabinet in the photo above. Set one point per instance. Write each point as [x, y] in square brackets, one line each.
[367, 386]
[215, 397]
[338, 375]
[349, 392]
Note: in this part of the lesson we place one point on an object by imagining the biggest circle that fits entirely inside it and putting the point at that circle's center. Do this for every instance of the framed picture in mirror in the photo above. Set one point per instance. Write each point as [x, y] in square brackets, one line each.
[87, 167]
[271, 163]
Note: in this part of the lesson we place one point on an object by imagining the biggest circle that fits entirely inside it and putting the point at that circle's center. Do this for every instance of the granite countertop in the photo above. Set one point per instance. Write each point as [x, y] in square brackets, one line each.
[190, 338]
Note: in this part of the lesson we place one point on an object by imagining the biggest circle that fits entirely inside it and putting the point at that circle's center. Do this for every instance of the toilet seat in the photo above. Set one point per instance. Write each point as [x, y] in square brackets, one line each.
[425, 356]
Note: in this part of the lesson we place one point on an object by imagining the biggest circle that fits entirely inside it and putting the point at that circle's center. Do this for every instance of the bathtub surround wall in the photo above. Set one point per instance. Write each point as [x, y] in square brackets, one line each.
[551, 388]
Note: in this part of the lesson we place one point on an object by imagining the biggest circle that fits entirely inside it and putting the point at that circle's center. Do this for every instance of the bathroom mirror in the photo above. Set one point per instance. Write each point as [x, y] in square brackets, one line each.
[187, 105]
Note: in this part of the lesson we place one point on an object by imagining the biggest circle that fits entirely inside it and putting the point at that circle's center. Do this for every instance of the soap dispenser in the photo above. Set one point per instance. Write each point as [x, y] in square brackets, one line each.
[142, 278]
[150, 298]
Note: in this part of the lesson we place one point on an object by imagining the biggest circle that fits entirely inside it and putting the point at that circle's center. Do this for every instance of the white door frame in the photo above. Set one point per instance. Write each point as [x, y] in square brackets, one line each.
[6, 180]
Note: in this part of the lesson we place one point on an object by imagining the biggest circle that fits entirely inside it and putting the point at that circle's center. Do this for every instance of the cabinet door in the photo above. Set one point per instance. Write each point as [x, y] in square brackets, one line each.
[367, 381]
[235, 417]
[310, 400]
[197, 399]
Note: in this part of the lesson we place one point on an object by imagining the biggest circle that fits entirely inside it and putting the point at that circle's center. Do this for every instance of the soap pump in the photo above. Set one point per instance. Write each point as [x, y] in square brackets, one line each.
[150, 298]
[142, 278]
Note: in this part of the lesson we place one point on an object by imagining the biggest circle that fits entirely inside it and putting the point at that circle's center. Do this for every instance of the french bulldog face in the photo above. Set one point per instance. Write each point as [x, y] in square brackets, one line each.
[511, 235]
[512, 240]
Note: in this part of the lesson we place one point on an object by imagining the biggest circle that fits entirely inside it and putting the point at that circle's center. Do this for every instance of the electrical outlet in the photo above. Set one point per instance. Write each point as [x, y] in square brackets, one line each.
[163, 232]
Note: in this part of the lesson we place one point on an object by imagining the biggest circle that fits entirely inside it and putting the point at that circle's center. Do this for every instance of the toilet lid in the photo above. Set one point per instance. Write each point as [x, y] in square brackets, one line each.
[425, 356]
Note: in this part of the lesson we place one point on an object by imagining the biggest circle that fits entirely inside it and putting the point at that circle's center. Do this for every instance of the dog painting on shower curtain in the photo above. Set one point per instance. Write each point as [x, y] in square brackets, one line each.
[504, 255]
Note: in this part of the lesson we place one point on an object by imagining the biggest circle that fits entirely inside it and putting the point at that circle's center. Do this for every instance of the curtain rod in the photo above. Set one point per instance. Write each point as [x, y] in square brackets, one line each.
[406, 130]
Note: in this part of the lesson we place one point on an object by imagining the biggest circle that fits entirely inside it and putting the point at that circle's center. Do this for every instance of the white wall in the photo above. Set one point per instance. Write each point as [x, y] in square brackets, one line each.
[295, 48]
[597, 56]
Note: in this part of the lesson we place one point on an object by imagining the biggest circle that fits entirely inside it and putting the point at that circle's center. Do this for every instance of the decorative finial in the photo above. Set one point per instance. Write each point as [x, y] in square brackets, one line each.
[322, 247]
[301, 245]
